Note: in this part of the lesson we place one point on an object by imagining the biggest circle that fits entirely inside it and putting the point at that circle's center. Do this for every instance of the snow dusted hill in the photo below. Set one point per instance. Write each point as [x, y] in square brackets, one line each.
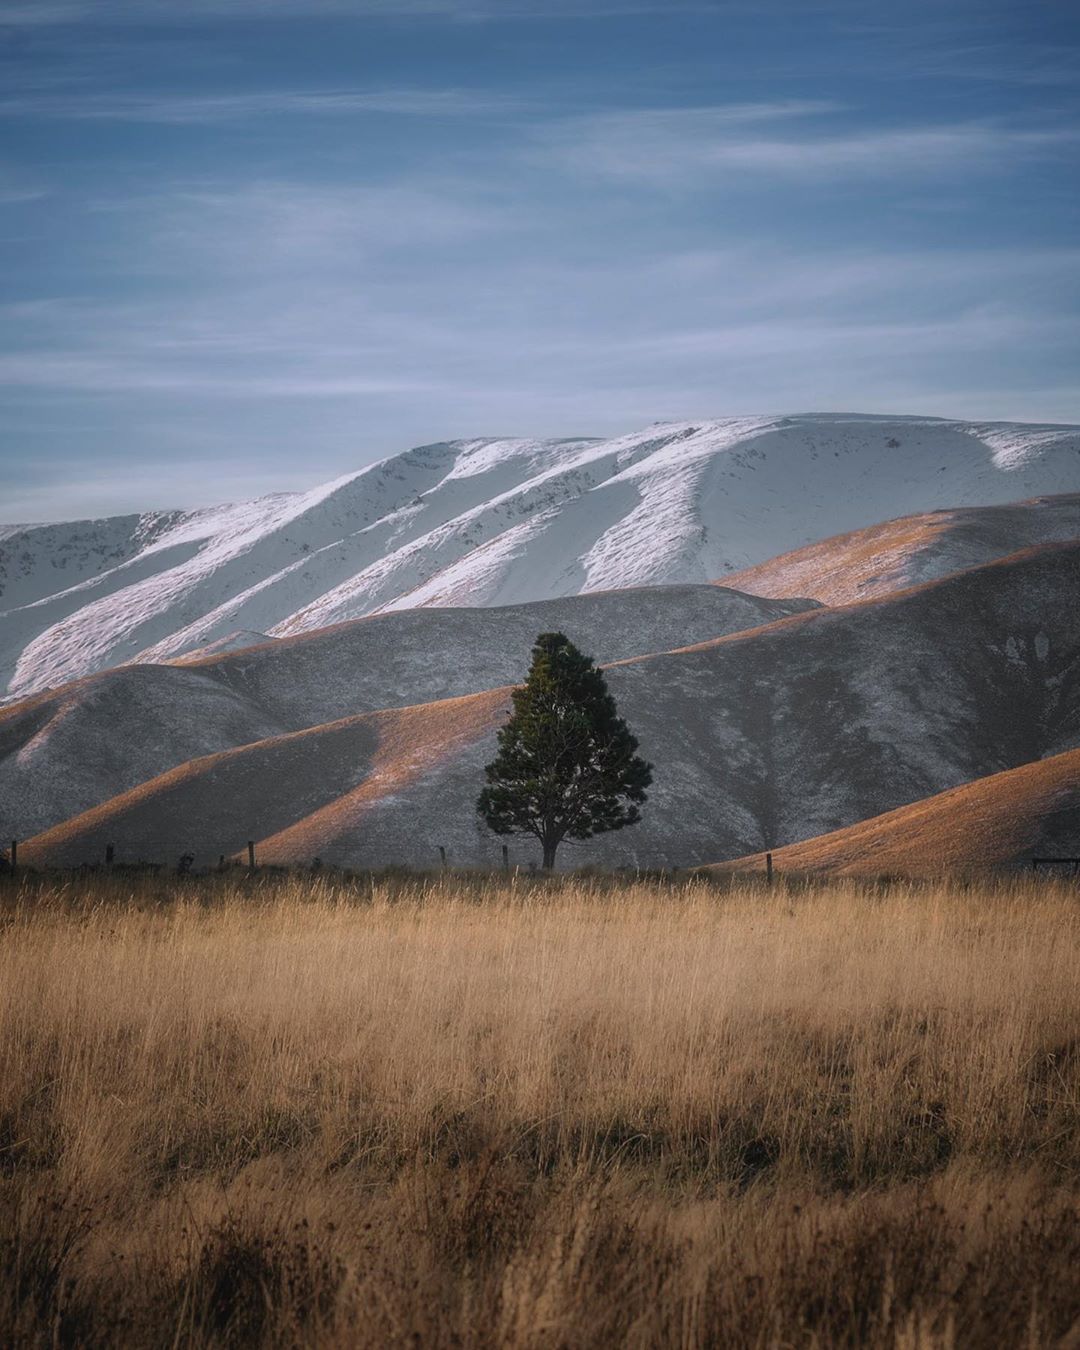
[759, 739]
[493, 522]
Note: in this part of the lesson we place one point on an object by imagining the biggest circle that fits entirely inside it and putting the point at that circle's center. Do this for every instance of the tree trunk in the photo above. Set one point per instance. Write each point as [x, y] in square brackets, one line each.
[549, 854]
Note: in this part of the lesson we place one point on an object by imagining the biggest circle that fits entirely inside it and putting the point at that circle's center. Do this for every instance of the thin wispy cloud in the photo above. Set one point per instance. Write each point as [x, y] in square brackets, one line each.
[125, 373]
[18, 186]
[1031, 64]
[941, 45]
[46, 13]
[181, 109]
[15, 196]
[283, 337]
[983, 327]
[288, 230]
[668, 145]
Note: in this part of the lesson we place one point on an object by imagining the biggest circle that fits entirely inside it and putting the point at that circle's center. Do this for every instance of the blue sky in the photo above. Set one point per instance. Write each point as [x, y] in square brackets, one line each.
[250, 244]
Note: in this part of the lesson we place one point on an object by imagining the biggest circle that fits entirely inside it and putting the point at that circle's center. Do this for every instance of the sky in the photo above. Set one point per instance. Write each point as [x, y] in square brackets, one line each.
[249, 245]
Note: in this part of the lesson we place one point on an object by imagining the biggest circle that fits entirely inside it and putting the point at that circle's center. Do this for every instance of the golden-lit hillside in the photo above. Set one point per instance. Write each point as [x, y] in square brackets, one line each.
[1005, 819]
[879, 559]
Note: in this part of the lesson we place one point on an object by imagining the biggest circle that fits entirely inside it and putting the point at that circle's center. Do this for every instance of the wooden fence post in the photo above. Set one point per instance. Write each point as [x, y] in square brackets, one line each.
[768, 869]
[110, 853]
[442, 855]
[251, 854]
[506, 857]
[14, 854]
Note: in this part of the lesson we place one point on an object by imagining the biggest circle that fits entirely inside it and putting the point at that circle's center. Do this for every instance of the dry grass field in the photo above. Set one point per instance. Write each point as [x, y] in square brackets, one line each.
[477, 1113]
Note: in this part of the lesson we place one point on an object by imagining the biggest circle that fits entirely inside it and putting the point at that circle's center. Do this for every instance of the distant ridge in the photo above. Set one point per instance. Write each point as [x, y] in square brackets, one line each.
[494, 522]
[874, 561]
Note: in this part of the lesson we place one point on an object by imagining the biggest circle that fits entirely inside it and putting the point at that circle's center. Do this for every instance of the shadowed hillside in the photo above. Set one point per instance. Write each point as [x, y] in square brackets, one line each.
[760, 739]
[72, 748]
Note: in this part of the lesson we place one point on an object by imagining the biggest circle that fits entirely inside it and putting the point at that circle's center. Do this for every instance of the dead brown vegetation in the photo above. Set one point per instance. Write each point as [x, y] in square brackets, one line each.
[477, 1112]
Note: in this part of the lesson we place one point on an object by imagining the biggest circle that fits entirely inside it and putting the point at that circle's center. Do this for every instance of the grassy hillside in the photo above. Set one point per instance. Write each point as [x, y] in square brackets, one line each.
[1002, 820]
[582, 1112]
[880, 559]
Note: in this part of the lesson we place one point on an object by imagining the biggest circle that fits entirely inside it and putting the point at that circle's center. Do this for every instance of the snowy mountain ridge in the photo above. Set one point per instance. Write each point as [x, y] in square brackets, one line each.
[492, 522]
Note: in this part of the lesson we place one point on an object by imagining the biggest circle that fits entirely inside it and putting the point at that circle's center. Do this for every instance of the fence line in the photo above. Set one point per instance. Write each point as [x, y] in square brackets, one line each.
[167, 854]
[158, 855]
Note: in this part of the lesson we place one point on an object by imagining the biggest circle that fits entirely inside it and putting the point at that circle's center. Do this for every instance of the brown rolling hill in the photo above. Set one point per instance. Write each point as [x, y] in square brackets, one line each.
[1005, 819]
[69, 749]
[872, 562]
[292, 784]
[759, 740]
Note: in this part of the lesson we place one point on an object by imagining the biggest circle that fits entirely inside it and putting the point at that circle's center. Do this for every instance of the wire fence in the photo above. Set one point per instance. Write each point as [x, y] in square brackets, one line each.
[158, 855]
[161, 855]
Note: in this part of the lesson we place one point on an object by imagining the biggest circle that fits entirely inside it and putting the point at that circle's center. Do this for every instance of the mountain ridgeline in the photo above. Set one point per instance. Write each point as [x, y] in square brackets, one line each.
[499, 522]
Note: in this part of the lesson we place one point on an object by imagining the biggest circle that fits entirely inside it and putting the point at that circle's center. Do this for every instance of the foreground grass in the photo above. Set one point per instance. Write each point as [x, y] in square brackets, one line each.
[482, 1113]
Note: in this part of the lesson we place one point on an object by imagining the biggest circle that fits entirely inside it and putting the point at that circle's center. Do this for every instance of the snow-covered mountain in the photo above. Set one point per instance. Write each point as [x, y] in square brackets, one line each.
[492, 522]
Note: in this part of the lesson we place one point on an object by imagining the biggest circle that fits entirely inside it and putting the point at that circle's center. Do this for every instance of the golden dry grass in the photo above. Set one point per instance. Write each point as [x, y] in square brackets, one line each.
[468, 1112]
[846, 568]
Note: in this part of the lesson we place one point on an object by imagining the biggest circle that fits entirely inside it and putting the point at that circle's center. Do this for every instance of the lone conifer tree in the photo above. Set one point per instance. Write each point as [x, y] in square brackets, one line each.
[566, 766]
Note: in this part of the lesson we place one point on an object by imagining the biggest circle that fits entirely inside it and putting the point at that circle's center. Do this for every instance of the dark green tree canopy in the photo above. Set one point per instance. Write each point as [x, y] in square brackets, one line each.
[567, 765]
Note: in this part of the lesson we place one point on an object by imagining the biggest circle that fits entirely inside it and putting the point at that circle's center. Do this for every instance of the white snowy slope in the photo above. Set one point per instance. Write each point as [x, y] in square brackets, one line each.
[493, 522]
